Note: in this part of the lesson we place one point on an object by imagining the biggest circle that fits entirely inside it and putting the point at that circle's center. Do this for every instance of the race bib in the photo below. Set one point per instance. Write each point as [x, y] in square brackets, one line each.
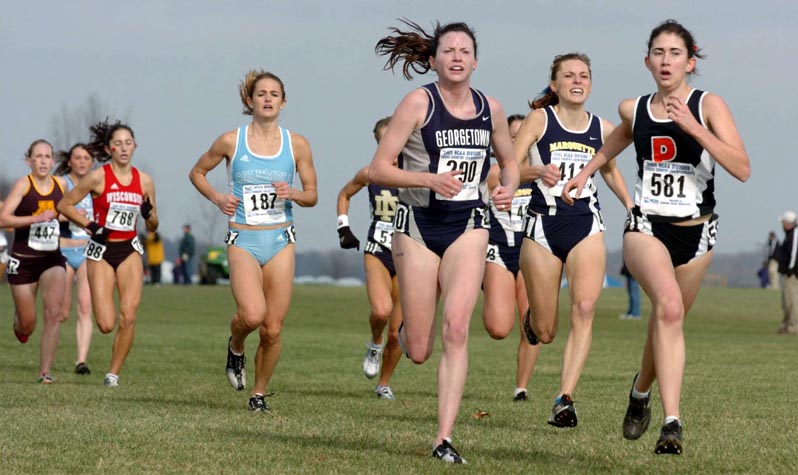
[492, 255]
[470, 162]
[137, 245]
[121, 217]
[13, 266]
[44, 236]
[94, 250]
[518, 212]
[261, 205]
[383, 233]
[569, 163]
[669, 189]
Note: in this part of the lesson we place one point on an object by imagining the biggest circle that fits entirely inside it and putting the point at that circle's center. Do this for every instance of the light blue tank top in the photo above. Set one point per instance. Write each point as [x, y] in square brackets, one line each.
[70, 229]
[250, 180]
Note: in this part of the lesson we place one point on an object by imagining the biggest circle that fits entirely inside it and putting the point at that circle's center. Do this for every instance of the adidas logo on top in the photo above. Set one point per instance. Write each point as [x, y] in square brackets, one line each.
[114, 186]
[244, 158]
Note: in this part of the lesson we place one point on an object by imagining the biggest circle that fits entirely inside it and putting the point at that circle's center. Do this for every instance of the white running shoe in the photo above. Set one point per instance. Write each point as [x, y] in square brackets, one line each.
[373, 360]
[111, 380]
[384, 392]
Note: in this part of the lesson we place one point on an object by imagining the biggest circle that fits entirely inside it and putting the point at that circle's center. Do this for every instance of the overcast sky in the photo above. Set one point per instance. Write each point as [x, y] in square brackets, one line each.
[172, 70]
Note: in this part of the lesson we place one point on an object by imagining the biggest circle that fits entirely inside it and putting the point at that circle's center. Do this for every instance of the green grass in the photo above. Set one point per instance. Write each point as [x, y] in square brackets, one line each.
[176, 413]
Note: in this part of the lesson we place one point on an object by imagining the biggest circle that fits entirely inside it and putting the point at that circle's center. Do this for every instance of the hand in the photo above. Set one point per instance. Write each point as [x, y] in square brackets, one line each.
[550, 175]
[679, 113]
[575, 183]
[45, 216]
[97, 232]
[447, 184]
[146, 208]
[227, 204]
[282, 189]
[347, 239]
[502, 198]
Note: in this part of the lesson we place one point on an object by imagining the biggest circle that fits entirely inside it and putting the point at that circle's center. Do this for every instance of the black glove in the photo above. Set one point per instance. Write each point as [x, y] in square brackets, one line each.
[347, 239]
[146, 208]
[97, 232]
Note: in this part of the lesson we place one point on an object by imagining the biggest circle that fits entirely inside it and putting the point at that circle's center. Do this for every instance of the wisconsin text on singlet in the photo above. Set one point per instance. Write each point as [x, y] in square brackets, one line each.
[462, 138]
[123, 197]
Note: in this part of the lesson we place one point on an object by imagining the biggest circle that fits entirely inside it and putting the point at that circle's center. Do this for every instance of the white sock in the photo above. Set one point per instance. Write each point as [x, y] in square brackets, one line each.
[637, 394]
[670, 419]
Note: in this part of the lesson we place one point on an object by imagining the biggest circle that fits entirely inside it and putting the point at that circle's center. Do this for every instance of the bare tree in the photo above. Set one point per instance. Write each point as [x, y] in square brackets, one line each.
[71, 124]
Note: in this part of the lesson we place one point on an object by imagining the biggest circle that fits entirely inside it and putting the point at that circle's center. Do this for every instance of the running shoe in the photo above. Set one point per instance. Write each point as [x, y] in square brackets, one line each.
[638, 416]
[519, 395]
[373, 360]
[81, 368]
[236, 374]
[257, 403]
[563, 414]
[23, 338]
[528, 333]
[447, 453]
[670, 439]
[384, 392]
[46, 379]
[111, 380]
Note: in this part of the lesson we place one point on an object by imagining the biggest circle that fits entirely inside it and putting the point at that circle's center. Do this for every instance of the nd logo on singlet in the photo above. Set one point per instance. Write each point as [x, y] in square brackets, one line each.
[663, 149]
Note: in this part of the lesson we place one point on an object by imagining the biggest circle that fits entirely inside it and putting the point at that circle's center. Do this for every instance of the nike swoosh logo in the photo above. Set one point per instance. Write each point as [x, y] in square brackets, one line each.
[593, 138]
[485, 118]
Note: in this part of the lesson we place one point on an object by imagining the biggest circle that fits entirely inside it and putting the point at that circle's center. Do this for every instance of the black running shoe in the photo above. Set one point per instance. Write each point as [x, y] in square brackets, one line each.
[447, 453]
[257, 403]
[236, 373]
[670, 439]
[528, 333]
[563, 414]
[81, 368]
[520, 396]
[637, 418]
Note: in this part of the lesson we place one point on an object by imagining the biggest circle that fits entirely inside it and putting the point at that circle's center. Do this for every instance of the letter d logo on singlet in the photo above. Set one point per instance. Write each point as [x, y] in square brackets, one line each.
[663, 149]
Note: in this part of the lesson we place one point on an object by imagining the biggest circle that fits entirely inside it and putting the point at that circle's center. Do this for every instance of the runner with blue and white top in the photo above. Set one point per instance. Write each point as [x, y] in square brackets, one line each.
[262, 159]
[73, 166]
[558, 138]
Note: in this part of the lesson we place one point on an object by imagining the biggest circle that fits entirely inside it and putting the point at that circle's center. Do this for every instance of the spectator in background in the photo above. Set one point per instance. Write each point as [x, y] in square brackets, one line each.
[773, 251]
[764, 276]
[177, 271]
[789, 269]
[633, 289]
[186, 254]
[153, 247]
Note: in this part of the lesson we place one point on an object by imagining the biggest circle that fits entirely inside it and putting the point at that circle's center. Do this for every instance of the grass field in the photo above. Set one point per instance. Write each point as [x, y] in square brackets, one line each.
[176, 413]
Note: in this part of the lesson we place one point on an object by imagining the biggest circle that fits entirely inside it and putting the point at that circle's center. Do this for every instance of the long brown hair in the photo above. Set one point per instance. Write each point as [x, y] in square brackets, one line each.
[101, 135]
[415, 46]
